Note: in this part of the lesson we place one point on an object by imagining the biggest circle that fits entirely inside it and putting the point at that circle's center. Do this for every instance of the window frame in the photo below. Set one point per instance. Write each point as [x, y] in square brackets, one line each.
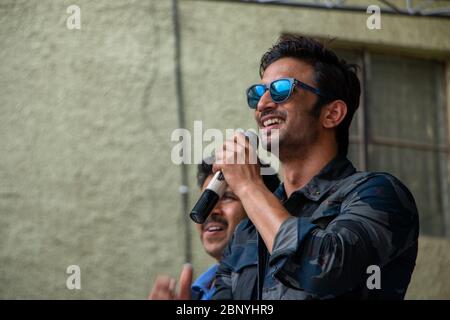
[364, 138]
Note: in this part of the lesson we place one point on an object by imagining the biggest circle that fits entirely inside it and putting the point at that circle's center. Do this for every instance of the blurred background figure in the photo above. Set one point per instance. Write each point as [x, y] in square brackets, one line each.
[215, 233]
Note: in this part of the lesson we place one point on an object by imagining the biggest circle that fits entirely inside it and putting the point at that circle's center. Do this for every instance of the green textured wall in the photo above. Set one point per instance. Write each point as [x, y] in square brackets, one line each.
[85, 172]
[86, 118]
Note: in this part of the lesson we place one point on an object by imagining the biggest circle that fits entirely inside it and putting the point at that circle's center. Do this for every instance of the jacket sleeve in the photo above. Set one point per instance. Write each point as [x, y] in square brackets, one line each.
[376, 223]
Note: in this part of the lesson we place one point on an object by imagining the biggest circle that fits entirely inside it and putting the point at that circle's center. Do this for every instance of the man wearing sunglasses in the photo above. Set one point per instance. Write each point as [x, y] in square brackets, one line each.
[328, 226]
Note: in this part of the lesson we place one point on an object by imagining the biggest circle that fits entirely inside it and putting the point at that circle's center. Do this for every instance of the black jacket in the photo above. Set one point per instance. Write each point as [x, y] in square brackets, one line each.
[347, 231]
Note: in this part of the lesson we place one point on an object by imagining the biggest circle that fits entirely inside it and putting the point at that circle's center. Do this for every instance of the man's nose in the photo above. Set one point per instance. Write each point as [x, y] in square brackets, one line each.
[217, 210]
[265, 102]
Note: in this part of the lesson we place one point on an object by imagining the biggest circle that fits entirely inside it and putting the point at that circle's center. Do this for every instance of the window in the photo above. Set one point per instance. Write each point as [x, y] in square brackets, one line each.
[401, 128]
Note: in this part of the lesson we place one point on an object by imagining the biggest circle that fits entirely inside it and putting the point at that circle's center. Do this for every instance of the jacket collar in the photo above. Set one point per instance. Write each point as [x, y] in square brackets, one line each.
[337, 169]
[202, 286]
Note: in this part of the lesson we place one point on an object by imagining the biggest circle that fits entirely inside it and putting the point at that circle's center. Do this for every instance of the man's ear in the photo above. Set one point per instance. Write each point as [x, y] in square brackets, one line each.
[333, 114]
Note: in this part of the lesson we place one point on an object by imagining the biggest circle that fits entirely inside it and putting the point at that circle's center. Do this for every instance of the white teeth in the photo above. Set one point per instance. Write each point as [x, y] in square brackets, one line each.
[214, 229]
[272, 121]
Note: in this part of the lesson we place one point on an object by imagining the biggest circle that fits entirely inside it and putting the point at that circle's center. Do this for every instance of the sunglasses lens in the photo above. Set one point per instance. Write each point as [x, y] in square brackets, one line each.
[255, 93]
[280, 90]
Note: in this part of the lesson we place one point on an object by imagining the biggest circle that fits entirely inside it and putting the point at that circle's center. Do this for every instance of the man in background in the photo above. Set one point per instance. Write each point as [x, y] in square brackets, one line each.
[215, 233]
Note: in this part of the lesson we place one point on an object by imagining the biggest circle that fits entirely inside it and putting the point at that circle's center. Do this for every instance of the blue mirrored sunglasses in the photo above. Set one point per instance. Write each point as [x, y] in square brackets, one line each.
[280, 90]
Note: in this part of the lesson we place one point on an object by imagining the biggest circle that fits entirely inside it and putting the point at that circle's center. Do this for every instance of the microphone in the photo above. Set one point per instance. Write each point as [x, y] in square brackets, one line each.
[213, 192]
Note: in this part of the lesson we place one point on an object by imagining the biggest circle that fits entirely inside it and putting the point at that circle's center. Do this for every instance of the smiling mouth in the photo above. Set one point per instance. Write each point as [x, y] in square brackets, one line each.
[271, 122]
[214, 228]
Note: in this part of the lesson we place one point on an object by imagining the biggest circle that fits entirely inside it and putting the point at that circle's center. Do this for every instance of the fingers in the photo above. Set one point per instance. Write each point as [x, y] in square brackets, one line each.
[163, 289]
[240, 139]
[225, 155]
[229, 153]
[172, 286]
[185, 282]
[249, 145]
[238, 150]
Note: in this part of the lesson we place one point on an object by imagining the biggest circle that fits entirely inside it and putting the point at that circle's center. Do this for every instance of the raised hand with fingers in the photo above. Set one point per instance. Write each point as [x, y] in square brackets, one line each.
[165, 286]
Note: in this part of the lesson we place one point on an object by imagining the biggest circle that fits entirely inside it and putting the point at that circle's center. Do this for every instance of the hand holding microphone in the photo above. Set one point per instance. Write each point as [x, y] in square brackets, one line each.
[214, 191]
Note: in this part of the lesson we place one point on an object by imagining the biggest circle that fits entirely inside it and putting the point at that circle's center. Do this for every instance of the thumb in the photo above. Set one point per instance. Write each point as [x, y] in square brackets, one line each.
[185, 282]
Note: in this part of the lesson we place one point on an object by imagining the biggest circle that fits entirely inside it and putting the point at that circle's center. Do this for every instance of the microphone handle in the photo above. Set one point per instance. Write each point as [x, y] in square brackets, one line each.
[215, 190]
[209, 198]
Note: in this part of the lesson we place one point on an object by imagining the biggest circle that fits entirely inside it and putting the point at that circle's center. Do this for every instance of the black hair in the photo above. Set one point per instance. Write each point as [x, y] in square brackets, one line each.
[334, 77]
[204, 170]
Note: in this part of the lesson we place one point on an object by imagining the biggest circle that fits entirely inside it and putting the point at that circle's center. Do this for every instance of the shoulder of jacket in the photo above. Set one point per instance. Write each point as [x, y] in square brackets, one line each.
[368, 178]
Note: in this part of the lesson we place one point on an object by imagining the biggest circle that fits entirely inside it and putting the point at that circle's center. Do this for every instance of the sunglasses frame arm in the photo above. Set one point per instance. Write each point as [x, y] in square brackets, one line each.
[309, 88]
